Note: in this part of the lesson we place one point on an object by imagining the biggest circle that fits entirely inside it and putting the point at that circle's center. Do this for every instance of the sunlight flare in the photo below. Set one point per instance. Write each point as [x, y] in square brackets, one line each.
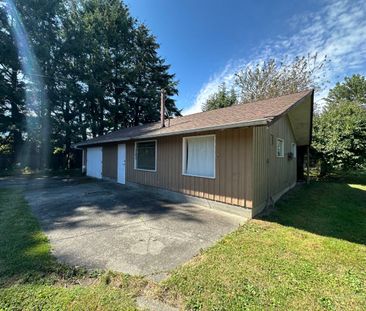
[35, 96]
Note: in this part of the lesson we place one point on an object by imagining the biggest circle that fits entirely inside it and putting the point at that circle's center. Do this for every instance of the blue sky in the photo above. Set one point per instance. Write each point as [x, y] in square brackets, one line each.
[207, 41]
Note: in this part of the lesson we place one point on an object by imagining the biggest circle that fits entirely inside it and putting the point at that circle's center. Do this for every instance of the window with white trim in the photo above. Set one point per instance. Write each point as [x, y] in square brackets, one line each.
[280, 148]
[199, 156]
[293, 149]
[145, 155]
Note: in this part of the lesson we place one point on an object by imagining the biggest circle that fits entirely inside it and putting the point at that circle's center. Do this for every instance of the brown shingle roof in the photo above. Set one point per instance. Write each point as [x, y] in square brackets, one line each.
[250, 114]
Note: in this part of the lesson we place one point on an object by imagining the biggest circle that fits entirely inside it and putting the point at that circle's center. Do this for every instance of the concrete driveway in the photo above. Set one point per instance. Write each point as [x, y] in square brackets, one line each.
[104, 225]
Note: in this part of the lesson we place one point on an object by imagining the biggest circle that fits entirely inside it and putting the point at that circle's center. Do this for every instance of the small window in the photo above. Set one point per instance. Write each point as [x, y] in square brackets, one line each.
[145, 155]
[199, 156]
[280, 148]
[293, 149]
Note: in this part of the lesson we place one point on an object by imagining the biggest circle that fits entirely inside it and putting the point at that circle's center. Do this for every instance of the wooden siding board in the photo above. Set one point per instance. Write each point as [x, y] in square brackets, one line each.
[279, 173]
[235, 169]
[217, 168]
[224, 166]
[248, 169]
[169, 169]
[109, 161]
[283, 171]
[161, 161]
[202, 187]
[231, 183]
[228, 160]
[241, 188]
[229, 168]
[174, 161]
[261, 146]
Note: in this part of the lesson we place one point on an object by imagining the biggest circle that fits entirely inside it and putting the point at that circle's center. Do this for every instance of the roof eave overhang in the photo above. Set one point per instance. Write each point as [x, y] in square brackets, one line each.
[257, 122]
[310, 98]
[293, 106]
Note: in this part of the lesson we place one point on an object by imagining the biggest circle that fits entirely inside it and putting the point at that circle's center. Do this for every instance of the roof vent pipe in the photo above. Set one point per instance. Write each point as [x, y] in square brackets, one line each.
[162, 108]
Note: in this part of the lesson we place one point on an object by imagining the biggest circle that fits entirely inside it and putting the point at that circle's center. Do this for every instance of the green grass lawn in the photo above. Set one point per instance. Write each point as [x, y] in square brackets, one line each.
[309, 254]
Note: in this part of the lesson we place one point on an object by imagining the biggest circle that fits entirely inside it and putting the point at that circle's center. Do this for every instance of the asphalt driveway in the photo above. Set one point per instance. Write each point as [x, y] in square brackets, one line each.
[104, 225]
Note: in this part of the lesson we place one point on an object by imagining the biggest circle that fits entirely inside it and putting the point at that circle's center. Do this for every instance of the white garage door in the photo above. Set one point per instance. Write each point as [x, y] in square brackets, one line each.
[94, 162]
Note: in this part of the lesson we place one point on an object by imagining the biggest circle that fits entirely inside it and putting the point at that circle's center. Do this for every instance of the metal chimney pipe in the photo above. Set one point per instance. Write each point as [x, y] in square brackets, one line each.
[162, 108]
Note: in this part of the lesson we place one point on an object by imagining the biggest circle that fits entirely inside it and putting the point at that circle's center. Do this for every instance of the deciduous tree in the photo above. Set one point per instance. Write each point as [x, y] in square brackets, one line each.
[351, 89]
[273, 78]
[340, 130]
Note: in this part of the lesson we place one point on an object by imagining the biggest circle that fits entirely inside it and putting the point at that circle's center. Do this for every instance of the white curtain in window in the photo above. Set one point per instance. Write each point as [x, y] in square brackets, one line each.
[200, 156]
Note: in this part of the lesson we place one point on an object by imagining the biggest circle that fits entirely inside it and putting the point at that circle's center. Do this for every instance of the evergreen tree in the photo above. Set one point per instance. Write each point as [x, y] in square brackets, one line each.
[40, 19]
[149, 76]
[223, 98]
[12, 105]
[100, 69]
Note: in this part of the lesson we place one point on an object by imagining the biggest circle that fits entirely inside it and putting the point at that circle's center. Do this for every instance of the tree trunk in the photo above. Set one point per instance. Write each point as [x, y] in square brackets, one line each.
[45, 135]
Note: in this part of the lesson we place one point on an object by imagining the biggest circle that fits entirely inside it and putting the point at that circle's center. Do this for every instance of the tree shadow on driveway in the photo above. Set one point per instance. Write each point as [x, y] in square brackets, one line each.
[60, 198]
[99, 224]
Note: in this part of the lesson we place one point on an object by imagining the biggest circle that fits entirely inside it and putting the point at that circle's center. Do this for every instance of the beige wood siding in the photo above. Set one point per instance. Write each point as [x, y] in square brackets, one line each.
[261, 146]
[283, 170]
[272, 174]
[233, 181]
[109, 168]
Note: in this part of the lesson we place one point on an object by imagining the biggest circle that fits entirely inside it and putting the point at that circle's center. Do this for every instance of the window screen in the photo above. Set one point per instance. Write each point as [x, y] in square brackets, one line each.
[199, 156]
[280, 148]
[145, 155]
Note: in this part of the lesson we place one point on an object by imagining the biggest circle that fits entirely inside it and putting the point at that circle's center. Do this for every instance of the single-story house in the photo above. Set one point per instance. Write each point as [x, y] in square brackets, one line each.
[244, 156]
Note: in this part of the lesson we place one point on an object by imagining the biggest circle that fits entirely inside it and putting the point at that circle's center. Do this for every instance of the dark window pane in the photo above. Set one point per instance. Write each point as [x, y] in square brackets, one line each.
[145, 158]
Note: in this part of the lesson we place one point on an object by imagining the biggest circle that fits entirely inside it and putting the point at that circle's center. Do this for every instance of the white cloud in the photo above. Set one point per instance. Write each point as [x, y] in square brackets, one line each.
[337, 31]
[226, 75]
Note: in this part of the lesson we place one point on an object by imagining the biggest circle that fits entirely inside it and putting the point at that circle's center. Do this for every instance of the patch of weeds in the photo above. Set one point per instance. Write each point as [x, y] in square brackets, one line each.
[355, 281]
[194, 303]
[327, 303]
[107, 277]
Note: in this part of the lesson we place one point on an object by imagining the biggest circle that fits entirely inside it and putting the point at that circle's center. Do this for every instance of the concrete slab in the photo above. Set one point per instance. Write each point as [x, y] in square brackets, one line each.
[104, 225]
